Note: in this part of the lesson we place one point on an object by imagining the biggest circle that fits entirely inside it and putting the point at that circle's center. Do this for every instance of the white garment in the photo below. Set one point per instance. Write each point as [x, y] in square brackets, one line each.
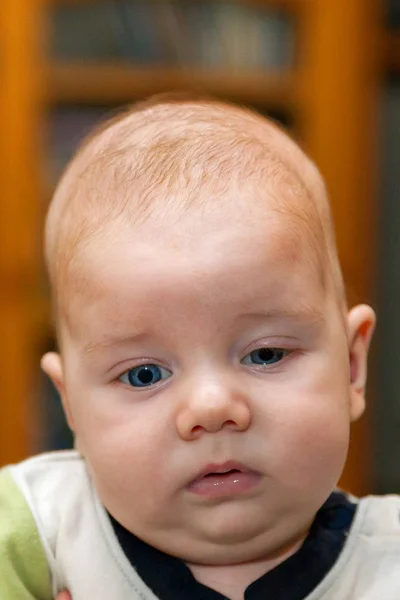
[84, 555]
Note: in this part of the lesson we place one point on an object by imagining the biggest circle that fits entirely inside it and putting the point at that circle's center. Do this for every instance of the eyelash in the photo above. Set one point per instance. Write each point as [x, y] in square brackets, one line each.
[156, 370]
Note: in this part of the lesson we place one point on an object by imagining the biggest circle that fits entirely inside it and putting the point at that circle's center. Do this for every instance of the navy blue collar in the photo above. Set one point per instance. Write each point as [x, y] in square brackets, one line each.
[294, 579]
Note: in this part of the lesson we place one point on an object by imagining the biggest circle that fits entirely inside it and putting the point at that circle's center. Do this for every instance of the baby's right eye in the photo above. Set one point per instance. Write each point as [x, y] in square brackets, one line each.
[144, 376]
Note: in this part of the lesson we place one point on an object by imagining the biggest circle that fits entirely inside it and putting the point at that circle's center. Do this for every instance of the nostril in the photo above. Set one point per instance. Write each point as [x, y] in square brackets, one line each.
[196, 429]
[230, 422]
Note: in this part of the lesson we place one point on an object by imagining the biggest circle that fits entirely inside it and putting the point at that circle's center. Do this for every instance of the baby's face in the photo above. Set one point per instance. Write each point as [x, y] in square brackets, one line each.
[206, 374]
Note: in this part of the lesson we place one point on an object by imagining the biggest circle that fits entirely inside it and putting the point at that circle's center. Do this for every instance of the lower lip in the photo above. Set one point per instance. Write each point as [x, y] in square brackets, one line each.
[224, 484]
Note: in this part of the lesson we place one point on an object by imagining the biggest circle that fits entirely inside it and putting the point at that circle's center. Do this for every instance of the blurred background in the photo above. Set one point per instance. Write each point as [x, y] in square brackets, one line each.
[327, 69]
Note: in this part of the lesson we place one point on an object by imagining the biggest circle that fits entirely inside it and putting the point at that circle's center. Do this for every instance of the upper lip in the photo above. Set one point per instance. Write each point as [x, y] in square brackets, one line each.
[230, 465]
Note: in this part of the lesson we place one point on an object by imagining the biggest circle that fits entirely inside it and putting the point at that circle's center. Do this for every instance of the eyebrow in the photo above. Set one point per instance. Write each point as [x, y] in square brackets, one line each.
[111, 339]
[303, 312]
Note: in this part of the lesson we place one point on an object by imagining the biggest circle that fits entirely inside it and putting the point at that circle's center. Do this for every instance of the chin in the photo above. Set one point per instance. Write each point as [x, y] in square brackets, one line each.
[248, 540]
[238, 534]
[220, 554]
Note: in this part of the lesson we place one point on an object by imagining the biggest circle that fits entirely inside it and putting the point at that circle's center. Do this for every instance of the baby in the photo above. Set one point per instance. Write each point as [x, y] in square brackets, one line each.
[210, 370]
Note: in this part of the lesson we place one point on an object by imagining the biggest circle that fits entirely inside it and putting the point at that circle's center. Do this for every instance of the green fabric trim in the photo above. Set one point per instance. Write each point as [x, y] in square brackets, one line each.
[24, 572]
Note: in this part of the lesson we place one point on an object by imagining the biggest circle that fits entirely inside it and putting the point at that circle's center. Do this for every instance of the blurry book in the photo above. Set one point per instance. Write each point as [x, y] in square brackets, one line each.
[107, 30]
[387, 411]
[279, 41]
[83, 31]
[392, 9]
[174, 31]
[136, 27]
[233, 36]
[230, 35]
[235, 25]
[206, 45]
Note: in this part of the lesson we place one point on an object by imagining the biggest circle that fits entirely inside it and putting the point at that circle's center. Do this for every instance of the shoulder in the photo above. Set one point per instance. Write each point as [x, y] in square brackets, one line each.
[24, 573]
[49, 473]
[380, 516]
[53, 485]
[368, 566]
[49, 487]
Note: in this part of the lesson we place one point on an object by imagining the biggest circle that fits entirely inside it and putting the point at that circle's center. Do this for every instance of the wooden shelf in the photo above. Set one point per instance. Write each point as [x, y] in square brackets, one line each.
[293, 5]
[392, 52]
[119, 83]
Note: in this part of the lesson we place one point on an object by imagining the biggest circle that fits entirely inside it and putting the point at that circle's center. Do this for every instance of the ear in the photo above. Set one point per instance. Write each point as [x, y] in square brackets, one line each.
[51, 364]
[361, 324]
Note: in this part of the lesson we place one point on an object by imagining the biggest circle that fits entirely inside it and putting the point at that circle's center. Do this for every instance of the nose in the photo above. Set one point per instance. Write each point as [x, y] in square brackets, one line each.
[210, 407]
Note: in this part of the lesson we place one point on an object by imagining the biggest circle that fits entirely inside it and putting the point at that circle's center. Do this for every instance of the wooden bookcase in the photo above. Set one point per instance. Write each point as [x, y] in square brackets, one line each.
[21, 111]
[331, 95]
[391, 52]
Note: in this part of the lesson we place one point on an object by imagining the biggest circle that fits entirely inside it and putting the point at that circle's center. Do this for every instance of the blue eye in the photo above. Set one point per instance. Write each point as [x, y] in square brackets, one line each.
[264, 356]
[144, 376]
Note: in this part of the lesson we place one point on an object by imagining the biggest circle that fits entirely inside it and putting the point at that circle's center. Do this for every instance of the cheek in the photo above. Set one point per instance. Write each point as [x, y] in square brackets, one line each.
[127, 462]
[306, 453]
[316, 445]
[124, 442]
[309, 430]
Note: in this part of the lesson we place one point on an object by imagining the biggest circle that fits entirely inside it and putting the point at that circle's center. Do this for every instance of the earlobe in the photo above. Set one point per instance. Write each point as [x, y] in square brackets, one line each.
[361, 324]
[51, 364]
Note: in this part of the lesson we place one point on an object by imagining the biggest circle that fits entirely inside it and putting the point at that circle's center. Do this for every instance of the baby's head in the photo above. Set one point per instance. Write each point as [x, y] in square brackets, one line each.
[208, 364]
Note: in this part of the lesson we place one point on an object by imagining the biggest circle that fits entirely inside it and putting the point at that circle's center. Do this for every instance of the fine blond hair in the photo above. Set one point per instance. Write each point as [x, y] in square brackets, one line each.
[176, 149]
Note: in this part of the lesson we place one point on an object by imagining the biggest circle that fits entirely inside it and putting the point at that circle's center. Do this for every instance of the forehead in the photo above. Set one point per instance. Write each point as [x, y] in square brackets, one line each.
[201, 262]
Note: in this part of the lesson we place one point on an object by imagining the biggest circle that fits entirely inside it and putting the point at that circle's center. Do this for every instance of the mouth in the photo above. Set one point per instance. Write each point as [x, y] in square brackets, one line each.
[225, 479]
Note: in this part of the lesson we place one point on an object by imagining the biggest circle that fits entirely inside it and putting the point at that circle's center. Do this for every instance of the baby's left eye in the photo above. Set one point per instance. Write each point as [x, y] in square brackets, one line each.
[264, 356]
